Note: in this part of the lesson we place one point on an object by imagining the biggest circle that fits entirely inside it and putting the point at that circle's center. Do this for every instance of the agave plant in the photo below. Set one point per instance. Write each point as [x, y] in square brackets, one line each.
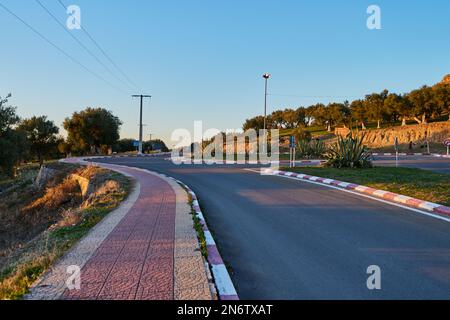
[311, 149]
[349, 152]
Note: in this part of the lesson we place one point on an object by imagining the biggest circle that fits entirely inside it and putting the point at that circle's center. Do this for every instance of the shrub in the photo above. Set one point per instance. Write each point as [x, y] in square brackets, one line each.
[349, 153]
[302, 134]
[311, 149]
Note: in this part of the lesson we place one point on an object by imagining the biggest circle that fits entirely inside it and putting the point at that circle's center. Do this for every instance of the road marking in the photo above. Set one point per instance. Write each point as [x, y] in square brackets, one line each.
[359, 194]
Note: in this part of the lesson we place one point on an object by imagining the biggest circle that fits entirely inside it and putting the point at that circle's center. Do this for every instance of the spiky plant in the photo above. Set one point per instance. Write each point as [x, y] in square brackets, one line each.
[311, 149]
[349, 152]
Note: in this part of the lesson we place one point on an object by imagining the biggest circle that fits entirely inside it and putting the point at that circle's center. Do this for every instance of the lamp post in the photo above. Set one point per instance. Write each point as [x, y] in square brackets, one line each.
[266, 76]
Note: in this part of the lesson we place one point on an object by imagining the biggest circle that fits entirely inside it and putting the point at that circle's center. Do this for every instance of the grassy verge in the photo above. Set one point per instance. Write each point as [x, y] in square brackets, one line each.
[29, 260]
[416, 183]
[199, 229]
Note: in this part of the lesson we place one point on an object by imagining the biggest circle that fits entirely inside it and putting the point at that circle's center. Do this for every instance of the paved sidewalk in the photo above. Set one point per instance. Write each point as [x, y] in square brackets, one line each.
[151, 252]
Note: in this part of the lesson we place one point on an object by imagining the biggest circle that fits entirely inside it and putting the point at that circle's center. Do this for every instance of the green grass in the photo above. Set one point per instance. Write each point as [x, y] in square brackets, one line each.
[198, 228]
[315, 131]
[416, 183]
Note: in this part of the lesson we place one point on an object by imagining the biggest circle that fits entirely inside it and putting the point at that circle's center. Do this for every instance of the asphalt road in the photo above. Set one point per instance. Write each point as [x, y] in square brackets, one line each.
[441, 165]
[287, 239]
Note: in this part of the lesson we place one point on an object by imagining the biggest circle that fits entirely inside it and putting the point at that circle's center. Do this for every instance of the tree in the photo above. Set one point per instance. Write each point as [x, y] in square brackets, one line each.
[319, 113]
[42, 137]
[92, 129]
[124, 145]
[442, 96]
[338, 113]
[359, 112]
[12, 142]
[155, 144]
[65, 148]
[423, 104]
[278, 120]
[294, 118]
[375, 106]
[398, 106]
[257, 123]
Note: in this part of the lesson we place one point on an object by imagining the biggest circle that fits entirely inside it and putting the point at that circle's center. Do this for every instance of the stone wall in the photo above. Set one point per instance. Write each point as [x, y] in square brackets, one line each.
[436, 132]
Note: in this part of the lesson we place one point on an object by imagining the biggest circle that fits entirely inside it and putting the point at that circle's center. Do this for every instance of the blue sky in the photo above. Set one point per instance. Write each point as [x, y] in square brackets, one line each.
[204, 59]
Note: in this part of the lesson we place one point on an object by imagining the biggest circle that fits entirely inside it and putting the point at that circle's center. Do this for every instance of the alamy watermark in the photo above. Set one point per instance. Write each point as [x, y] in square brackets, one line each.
[374, 279]
[233, 146]
[73, 282]
[74, 20]
[374, 19]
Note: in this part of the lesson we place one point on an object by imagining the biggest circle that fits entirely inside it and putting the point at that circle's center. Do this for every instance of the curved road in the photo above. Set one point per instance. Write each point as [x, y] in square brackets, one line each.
[287, 239]
[441, 165]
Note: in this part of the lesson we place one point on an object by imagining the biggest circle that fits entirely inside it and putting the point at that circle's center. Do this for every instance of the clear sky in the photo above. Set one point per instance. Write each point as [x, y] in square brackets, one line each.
[204, 59]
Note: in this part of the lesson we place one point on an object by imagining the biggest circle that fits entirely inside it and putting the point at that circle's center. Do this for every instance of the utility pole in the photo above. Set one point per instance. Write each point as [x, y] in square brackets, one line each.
[140, 120]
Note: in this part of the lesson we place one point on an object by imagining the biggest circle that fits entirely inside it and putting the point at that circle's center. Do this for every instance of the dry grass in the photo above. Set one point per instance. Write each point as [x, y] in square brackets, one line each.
[42, 226]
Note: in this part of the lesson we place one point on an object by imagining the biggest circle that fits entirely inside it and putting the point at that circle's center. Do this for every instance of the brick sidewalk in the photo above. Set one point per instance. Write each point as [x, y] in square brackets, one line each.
[151, 253]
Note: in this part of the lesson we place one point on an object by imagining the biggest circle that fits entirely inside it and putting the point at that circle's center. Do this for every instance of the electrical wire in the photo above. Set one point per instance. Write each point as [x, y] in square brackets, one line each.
[74, 60]
[104, 52]
[79, 42]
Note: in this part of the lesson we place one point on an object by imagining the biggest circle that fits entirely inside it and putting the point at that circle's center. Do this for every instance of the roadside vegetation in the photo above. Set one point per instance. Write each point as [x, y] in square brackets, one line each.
[348, 152]
[416, 183]
[198, 228]
[39, 224]
[37, 139]
[375, 111]
[126, 146]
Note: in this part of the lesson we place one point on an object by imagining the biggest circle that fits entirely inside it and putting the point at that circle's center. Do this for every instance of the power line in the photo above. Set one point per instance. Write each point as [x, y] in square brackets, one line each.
[79, 42]
[59, 49]
[103, 52]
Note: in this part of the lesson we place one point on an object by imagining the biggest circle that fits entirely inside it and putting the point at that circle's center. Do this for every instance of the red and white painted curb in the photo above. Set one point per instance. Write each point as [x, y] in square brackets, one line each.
[225, 287]
[153, 155]
[382, 194]
[179, 160]
[401, 154]
[441, 155]
[411, 154]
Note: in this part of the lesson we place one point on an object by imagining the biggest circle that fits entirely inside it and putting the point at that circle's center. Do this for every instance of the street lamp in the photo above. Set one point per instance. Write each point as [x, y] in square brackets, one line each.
[266, 76]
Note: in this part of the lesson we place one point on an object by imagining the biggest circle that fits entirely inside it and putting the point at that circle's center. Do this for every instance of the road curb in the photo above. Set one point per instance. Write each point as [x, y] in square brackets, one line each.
[441, 155]
[247, 162]
[382, 194]
[225, 286]
[401, 154]
[155, 155]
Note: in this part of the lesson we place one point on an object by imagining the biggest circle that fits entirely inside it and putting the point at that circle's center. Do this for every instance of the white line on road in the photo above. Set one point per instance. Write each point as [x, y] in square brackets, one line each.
[359, 194]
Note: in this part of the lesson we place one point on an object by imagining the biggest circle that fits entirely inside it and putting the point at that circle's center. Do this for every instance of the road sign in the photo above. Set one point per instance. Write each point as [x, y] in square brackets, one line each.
[292, 142]
[447, 143]
[136, 143]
